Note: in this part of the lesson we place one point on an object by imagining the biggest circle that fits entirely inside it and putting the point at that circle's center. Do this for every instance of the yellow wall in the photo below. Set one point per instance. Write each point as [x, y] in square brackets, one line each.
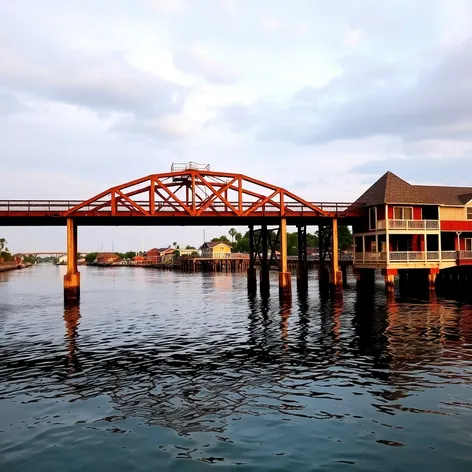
[221, 248]
[453, 213]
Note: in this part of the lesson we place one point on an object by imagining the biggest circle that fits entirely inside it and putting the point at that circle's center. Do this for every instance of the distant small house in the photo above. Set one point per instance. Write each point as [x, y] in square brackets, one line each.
[215, 250]
[188, 252]
[152, 255]
[18, 259]
[107, 258]
[139, 259]
[166, 255]
[312, 251]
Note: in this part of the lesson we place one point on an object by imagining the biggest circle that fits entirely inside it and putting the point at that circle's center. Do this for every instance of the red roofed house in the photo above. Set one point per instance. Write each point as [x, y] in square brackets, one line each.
[159, 255]
[152, 255]
[413, 226]
[105, 258]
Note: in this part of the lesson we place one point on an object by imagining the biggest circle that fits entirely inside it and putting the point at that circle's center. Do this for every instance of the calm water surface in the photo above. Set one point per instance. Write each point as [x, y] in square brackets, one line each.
[167, 371]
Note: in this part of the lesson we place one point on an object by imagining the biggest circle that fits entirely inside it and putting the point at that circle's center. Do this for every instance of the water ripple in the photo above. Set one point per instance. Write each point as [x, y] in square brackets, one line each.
[189, 368]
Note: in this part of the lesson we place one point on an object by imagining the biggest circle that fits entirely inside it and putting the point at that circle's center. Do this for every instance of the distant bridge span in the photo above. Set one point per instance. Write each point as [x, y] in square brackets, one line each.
[194, 195]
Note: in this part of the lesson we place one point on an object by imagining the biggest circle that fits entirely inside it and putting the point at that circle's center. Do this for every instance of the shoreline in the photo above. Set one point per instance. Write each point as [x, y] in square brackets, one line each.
[8, 267]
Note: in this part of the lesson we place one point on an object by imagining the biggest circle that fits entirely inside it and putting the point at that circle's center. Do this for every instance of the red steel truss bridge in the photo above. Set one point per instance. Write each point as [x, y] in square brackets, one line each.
[193, 195]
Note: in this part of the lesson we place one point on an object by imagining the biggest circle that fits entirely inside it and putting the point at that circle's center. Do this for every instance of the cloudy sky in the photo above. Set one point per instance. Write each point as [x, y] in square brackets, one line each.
[317, 96]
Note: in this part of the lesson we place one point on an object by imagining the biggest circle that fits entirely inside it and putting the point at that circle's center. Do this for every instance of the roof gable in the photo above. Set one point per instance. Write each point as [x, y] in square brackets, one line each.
[391, 189]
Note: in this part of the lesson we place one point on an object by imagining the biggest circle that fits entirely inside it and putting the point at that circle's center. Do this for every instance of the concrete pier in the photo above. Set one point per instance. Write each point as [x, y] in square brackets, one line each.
[72, 277]
[336, 275]
[285, 277]
[389, 276]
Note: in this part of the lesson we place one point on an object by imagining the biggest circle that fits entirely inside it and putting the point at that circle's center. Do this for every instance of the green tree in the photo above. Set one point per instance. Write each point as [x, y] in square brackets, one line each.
[189, 247]
[30, 258]
[344, 238]
[222, 239]
[241, 245]
[3, 245]
[90, 257]
[232, 232]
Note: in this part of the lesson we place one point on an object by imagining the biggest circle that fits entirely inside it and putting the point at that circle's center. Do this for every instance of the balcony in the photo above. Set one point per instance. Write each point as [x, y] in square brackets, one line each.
[409, 256]
[409, 225]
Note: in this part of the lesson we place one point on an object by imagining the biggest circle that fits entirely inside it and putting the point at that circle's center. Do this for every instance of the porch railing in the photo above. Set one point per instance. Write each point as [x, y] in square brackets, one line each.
[370, 257]
[410, 224]
[448, 255]
[411, 256]
[400, 256]
[465, 254]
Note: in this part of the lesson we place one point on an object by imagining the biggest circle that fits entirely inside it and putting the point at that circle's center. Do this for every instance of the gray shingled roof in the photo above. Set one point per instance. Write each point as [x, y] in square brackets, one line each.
[448, 195]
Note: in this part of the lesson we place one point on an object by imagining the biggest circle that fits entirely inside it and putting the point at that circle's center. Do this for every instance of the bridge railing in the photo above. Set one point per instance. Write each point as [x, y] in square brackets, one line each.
[59, 206]
[37, 205]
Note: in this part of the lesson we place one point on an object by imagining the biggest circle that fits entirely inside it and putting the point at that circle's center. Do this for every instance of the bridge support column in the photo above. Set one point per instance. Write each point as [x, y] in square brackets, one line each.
[72, 277]
[285, 278]
[302, 268]
[251, 271]
[264, 274]
[336, 276]
[389, 276]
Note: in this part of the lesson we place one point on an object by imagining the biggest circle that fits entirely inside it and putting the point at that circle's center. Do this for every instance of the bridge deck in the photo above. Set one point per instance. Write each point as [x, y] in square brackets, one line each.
[100, 213]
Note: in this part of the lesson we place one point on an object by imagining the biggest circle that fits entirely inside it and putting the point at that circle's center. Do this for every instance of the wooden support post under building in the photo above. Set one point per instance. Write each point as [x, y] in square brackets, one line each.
[336, 276]
[251, 271]
[302, 267]
[72, 277]
[324, 243]
[264, 283]
[285, 282]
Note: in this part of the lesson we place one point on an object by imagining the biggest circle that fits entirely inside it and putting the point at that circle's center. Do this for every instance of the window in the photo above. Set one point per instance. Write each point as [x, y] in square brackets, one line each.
[403, 213]
[469, 213]
[468, 244]
[372, 219]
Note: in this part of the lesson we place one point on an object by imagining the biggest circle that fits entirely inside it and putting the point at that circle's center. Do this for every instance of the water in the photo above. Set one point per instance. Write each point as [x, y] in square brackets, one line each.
[168, 371]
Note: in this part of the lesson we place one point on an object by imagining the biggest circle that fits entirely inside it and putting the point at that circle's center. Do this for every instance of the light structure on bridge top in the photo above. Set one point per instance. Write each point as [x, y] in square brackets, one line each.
[194, 190]
[179, 166]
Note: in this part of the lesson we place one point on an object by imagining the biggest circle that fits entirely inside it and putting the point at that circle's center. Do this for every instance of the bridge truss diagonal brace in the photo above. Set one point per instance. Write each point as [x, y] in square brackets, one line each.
[262, 202]
[137, 207]
[216, 194]
[173, 196]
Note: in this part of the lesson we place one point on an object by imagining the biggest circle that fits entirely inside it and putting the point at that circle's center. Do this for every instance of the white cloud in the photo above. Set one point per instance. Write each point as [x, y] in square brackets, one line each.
[352, 37]
[172, 7]
[116, 90]
[196, 61]
[270, 24]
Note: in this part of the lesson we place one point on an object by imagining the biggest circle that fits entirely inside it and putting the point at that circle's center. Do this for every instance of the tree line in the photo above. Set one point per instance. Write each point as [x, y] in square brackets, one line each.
[240, 242]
